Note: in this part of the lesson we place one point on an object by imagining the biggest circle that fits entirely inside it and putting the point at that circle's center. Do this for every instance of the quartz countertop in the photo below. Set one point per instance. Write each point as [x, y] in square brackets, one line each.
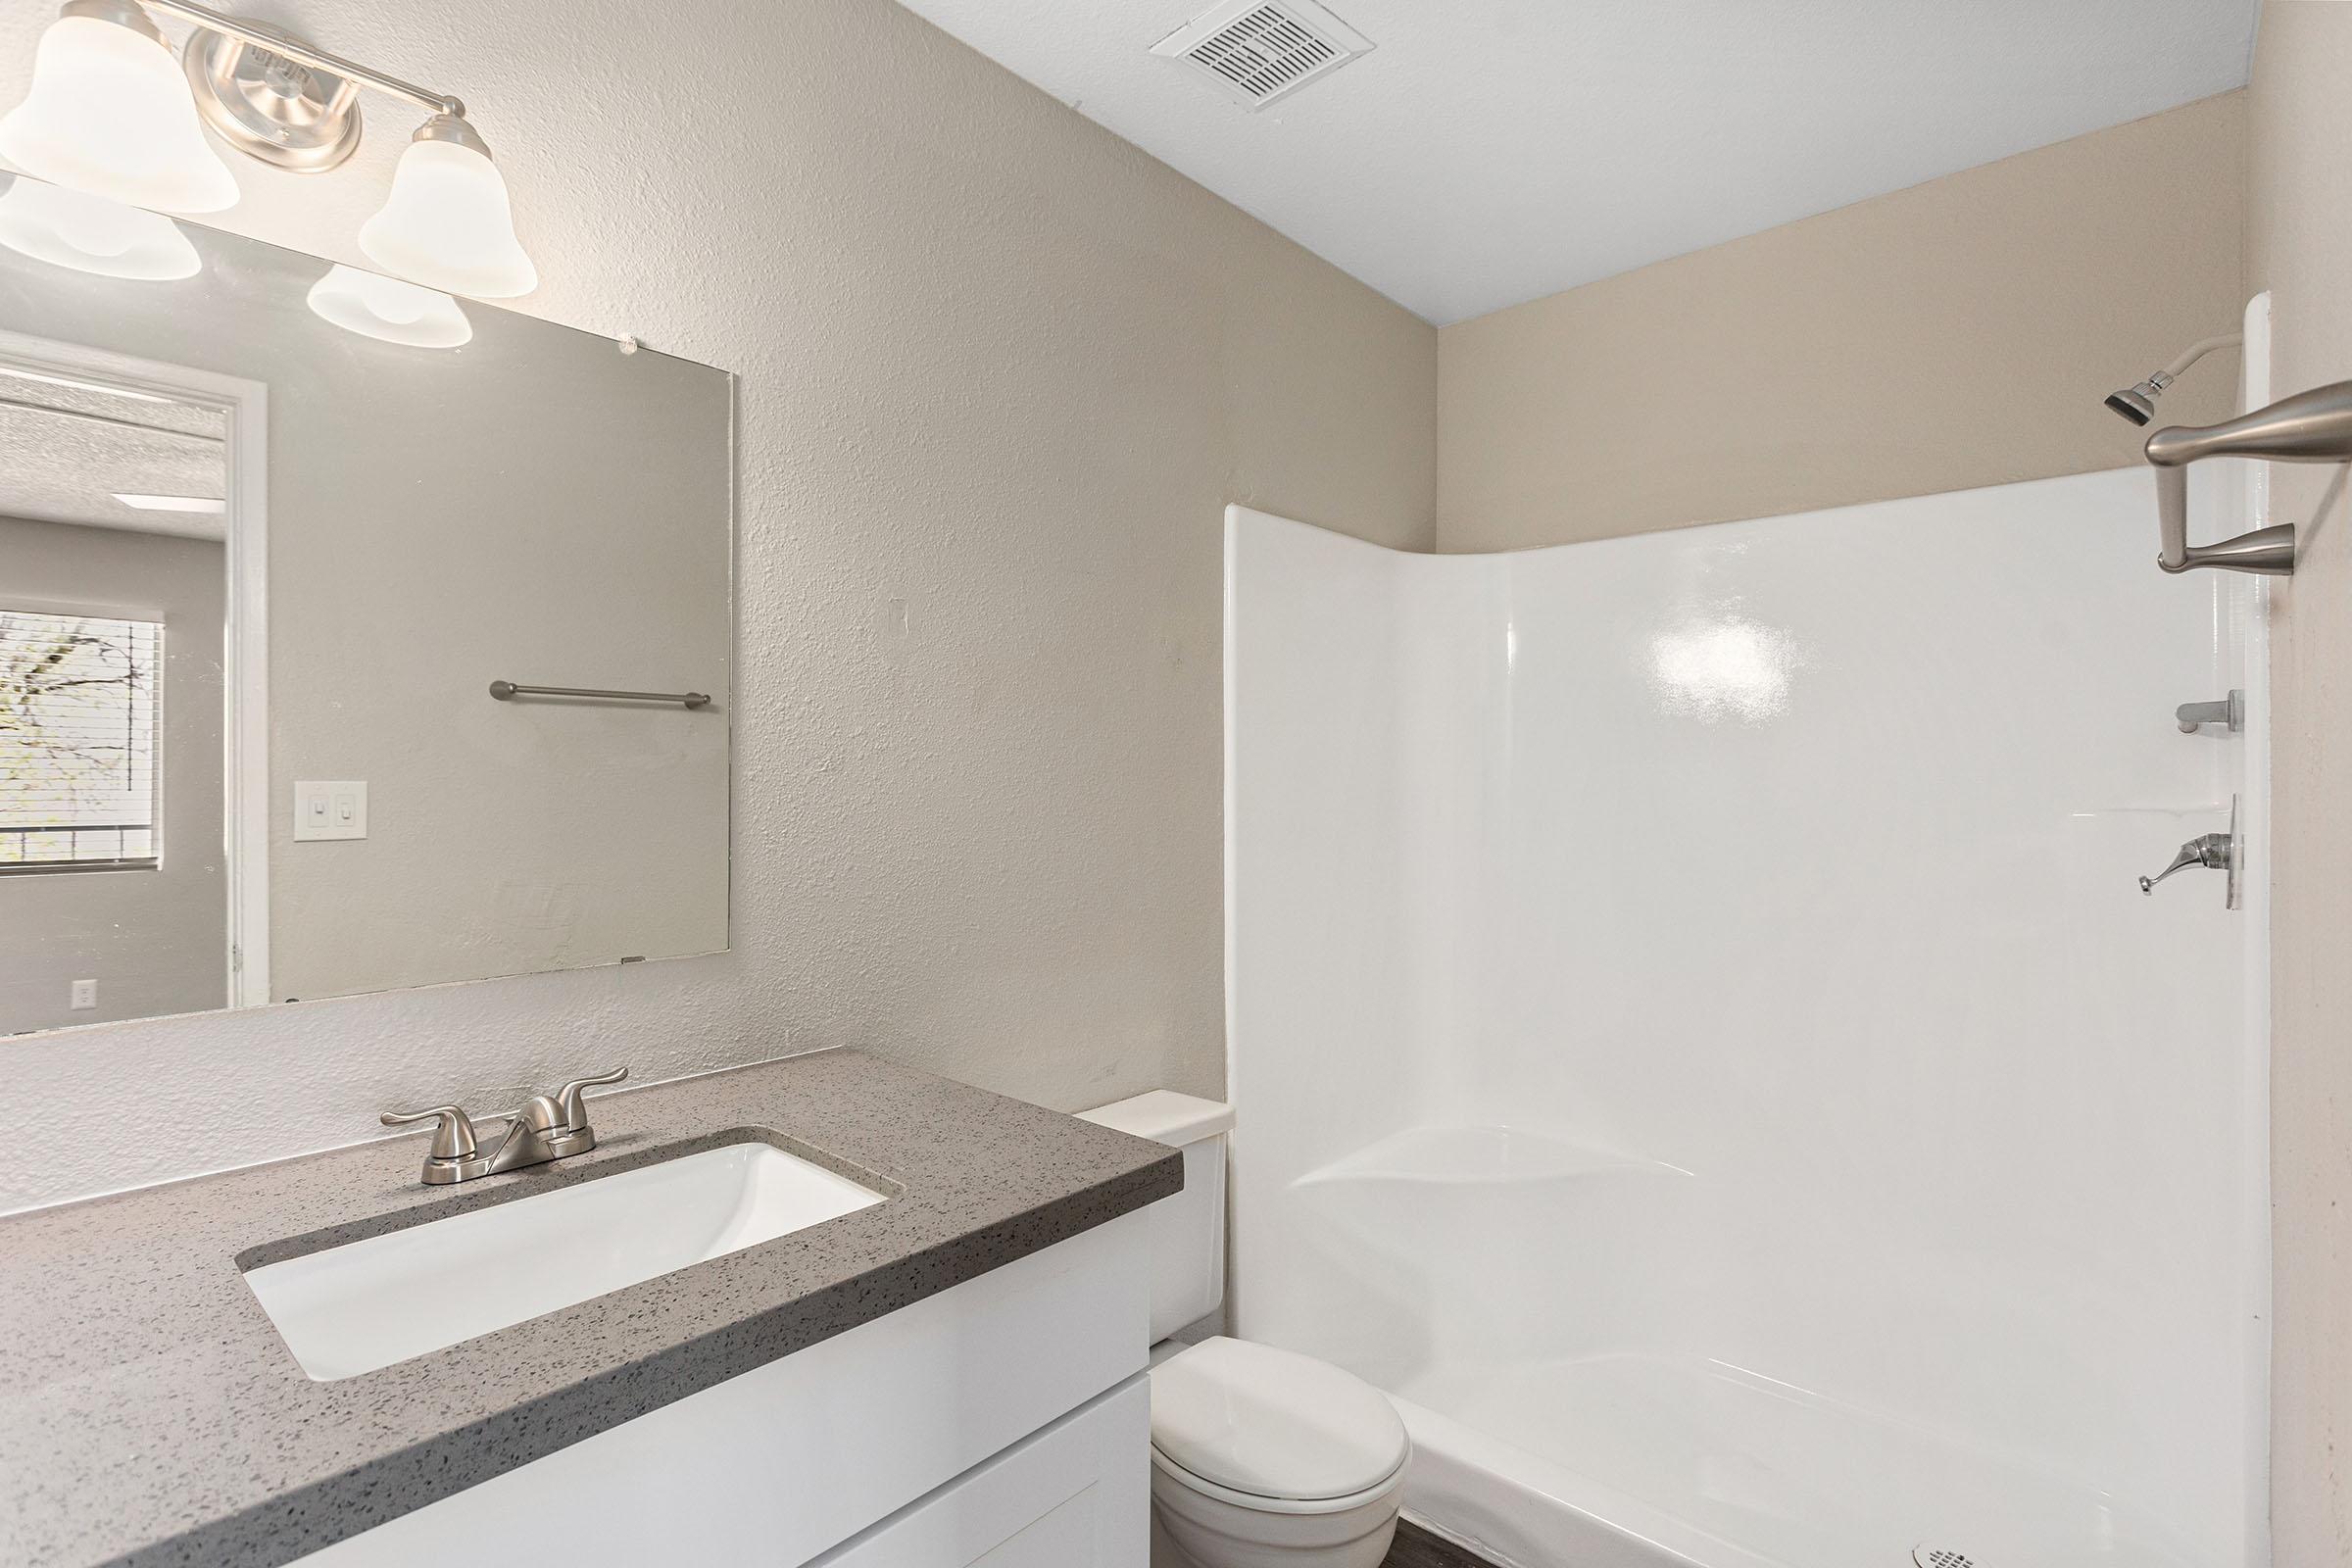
[150, 1414]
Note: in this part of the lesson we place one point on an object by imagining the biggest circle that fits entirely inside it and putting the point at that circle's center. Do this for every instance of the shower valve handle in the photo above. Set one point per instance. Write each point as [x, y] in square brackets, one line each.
[2217, 851]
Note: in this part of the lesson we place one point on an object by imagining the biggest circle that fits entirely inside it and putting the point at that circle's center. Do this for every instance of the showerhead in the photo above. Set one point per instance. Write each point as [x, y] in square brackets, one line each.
[2138, 402]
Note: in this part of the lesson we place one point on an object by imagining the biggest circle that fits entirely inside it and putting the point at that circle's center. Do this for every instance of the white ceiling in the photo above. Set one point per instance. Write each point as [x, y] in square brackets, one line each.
[65, 452]
[1493, 151]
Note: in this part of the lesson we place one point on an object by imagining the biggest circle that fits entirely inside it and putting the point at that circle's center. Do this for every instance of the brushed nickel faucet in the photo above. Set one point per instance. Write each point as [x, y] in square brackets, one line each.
[2214, 852]
[543, 1128]
[2211, 852]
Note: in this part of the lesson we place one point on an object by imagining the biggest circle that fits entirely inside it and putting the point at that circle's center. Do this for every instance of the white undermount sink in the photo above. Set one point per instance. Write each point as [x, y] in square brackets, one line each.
[365, 1304]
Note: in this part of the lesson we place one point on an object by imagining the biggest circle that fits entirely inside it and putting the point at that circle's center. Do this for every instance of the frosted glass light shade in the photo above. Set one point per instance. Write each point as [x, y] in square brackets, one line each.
[91, 234]
[388, 309]
[110, 114]
[447, 224]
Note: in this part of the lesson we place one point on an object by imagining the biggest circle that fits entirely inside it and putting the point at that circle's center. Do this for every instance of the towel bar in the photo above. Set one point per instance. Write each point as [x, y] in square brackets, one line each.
[505, 690]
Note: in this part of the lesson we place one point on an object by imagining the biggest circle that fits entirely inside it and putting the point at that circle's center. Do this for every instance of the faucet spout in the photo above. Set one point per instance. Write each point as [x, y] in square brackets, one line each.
[533, 1133]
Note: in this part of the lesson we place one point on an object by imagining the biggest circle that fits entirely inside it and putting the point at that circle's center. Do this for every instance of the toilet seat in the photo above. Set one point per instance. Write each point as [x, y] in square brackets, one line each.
[1166, 1469]
[1272, 1431]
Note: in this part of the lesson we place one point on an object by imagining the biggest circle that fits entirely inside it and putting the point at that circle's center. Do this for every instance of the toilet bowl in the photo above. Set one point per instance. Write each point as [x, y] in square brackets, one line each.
[1262, 1458]
[1193, 1531]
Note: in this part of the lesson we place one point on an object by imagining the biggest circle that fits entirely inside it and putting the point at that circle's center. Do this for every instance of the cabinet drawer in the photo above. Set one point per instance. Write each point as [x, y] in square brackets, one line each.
[1077, 1494]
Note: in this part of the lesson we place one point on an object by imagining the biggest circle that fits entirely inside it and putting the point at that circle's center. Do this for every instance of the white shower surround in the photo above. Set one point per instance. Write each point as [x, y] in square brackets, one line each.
[1700, 1043]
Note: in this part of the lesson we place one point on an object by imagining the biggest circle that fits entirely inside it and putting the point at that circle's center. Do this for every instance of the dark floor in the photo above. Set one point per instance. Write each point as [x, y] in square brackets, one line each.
[1416, 1547]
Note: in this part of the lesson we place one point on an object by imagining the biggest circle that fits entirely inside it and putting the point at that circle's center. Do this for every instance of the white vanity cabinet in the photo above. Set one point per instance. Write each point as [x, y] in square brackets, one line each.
[1079, 1492]
[1003, 1421]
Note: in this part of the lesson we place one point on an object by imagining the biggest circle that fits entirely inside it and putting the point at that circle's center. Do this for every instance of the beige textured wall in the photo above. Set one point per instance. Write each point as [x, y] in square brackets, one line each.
[1956, 335]
[2299, 246]
[1001, 372]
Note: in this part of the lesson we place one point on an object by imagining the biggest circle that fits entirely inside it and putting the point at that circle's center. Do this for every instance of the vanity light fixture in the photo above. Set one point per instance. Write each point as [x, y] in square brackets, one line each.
[390, 310]
[110, 116]
[91, 234]
[447, 222]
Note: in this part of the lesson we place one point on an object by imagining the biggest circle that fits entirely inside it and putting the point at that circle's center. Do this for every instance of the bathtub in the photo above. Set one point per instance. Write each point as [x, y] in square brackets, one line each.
[1541, 1310]
[1516, 1509]
[1633, 1462]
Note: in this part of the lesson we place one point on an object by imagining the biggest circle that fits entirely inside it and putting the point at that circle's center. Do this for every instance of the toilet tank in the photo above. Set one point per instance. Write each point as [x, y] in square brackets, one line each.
[1187, 1230]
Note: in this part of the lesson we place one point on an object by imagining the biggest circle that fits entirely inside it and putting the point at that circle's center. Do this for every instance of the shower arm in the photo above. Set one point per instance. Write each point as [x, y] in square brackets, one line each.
[2314, 427]
[2137, 402]
[2192, 354]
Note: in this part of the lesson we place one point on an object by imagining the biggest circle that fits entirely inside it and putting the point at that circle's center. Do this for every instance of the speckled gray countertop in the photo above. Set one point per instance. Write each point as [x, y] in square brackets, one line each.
[150, 1414]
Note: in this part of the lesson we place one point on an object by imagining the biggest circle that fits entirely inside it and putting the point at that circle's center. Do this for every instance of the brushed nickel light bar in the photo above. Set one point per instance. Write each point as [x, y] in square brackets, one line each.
[273, 41]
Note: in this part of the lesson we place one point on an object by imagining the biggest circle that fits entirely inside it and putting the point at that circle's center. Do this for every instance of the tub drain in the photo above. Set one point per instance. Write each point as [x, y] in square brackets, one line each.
[1942, 1557]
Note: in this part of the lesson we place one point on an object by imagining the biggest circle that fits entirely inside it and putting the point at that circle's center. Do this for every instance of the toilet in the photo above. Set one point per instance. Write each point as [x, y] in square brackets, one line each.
[1260, 1456]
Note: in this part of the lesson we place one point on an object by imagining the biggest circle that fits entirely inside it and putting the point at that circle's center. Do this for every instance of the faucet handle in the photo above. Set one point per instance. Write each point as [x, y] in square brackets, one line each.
[453, 1138]
[2214, 851]
[573, 1102]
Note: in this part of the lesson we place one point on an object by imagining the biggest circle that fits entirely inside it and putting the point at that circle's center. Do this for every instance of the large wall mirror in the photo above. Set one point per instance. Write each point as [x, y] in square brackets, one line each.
[269, 533]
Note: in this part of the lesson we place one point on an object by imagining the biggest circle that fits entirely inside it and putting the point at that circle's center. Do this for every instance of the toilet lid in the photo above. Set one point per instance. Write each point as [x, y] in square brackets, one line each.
[1273, 1424]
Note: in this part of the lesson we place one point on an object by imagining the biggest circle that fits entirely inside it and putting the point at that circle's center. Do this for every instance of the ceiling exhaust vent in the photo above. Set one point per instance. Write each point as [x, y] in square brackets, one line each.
[1262, 50]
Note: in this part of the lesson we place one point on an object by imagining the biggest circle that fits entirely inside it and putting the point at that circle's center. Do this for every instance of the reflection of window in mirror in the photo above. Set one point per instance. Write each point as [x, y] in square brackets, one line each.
[121, 893]
[79, 742]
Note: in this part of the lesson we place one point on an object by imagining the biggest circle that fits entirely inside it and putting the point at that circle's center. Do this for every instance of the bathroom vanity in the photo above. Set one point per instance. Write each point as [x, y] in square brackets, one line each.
[951, 1374]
